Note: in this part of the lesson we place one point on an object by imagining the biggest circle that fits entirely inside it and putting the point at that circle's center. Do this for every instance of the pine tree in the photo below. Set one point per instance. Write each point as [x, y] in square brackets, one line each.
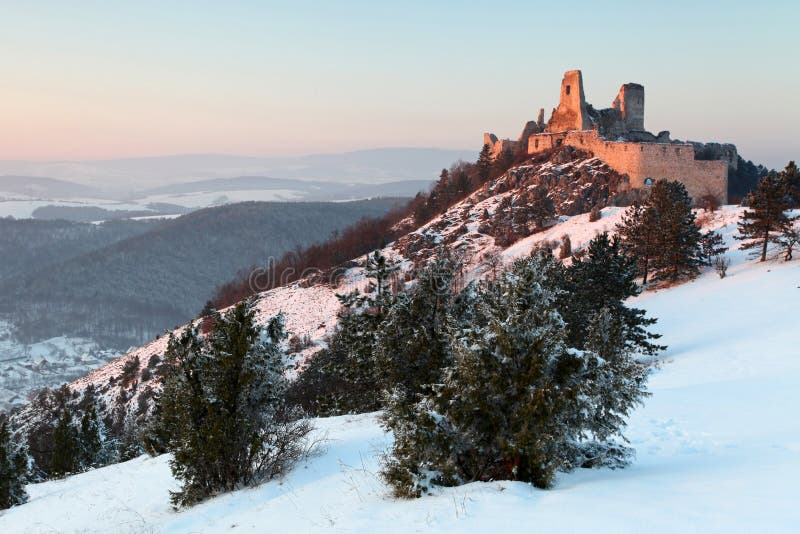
[228, 420]
[662, 235]
[412, 342]
[638, 232]
[66, 447]
[790, 178]
[604, 277]
[712, 245]
[536, 207]
[516, 403]
[485, 162]
[381, 272]
[13, 468]
[766, 220]
[618, 386]
[345, 378]
[422, 211]
[91, 439]
[679, 238]
[128, 445]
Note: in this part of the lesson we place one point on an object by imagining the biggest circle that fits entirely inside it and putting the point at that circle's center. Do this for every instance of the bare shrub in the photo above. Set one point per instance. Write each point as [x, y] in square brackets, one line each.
[298, 343]
[721, 264]
[566, 247]
[491, 261]
[709, 202]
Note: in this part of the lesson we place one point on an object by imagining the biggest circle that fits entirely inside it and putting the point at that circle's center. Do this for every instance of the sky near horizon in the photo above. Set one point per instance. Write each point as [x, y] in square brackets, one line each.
[107, 79]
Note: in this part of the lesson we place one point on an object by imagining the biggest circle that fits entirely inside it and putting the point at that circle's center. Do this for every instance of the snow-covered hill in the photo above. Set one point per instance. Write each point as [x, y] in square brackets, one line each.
[718, 445]
[475, 229]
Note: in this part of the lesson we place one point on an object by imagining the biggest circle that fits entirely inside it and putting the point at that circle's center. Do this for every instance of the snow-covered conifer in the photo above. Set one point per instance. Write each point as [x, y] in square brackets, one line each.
[66, 457]
[765, 219]
[13, 468]
[227, 419]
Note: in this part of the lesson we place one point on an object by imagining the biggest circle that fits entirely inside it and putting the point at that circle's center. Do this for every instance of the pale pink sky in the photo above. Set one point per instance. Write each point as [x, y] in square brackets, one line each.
[95, 80]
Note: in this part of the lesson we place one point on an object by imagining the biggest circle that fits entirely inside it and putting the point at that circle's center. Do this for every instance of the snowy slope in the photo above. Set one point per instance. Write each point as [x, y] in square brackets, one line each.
[311, 309]
[718, 448]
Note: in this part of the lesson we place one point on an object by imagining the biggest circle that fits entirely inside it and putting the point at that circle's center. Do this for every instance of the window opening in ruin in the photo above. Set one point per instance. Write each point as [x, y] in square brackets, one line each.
[536, 144]
[648, 181]
[568, 89]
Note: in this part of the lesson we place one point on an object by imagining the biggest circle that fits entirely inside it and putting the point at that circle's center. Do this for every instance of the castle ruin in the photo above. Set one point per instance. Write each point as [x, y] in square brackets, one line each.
[617, 136]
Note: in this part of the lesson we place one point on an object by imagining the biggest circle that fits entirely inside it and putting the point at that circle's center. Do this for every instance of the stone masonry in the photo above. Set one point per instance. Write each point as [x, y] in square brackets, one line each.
[617, 136]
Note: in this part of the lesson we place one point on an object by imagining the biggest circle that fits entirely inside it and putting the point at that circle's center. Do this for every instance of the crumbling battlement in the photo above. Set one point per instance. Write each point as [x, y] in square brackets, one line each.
[644, 163]
[617, 136]
[499, 146]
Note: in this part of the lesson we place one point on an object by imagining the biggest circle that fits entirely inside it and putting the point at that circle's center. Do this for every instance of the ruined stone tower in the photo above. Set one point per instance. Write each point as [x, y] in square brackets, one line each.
[571, 112]
[630, 104]
[617, 136]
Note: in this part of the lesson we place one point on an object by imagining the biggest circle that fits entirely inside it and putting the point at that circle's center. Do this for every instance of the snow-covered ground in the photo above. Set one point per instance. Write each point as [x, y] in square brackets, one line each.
[718, 448]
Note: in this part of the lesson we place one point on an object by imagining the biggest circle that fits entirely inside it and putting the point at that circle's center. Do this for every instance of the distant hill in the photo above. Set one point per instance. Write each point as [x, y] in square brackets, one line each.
[374, 166]
[304, 190]
[123, 290]
[34, 246]
[45, 188]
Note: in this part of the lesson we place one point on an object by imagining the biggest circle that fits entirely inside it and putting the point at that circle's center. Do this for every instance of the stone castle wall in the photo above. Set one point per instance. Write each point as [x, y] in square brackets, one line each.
[643, 161]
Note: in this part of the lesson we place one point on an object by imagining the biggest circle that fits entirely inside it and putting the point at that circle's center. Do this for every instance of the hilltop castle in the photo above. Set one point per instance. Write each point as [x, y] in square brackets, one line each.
[617, 136]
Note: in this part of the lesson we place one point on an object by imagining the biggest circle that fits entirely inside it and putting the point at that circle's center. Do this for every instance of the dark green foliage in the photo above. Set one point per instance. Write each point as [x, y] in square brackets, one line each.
[130, 372]
[413, 340]
[540, 208]
[516, 403]
[618, 382]
[662, 235]
[91, 440]
[744, 179]
[765, 219]
[638, 233]
[603, 277]
[679, 237]
[485, 163]
[712, 245]
[345, 378]
[790, 177]
[66, 447]
[595, 214]
[223, 407]
[128, 444]
[13, 468]
[65, 433]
